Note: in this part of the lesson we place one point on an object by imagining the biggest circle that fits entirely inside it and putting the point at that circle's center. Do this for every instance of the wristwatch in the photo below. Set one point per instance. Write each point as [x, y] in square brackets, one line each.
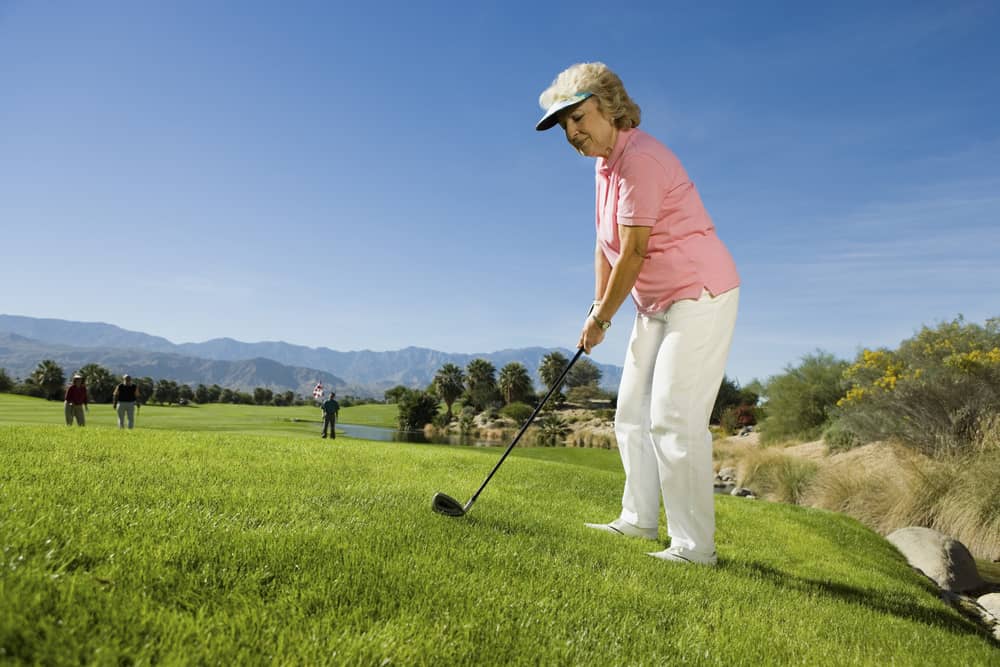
[604, 324]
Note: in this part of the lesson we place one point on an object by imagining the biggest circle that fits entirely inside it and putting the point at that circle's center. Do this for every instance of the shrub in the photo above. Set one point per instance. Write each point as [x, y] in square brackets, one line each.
[466, 421]
[731, 395]
[736, 417]
[838, 438]
[28, 388]
[416, 409]
[727, 420]
[584, 394]
[6, 383]
[517, 411]
[800, 401]
[931, 394]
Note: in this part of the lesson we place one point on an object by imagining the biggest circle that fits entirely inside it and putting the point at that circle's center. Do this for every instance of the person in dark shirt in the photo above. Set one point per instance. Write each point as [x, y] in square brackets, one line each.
[126, 400]
[76, 401]
[330, 409]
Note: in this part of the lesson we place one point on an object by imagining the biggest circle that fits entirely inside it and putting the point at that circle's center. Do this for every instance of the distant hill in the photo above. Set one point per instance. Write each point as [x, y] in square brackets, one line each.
[364, 372]
[20, 355]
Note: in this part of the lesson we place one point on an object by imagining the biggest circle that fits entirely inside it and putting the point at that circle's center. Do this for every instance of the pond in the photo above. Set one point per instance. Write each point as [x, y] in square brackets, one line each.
[383, 434]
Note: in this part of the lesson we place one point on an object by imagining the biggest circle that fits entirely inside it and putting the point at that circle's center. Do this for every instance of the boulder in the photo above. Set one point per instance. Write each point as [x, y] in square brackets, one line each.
[991, 603]
[943, 559]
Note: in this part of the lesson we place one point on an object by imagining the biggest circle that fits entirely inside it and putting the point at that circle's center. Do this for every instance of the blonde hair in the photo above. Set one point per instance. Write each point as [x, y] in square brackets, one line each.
[595, 78]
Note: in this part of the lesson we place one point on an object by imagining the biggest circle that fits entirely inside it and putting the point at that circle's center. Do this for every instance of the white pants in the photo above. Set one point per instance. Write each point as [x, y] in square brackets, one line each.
[673, 369]
[126, 408]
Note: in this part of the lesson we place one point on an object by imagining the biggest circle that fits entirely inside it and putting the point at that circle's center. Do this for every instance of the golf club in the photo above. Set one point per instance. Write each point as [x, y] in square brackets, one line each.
[445, 504]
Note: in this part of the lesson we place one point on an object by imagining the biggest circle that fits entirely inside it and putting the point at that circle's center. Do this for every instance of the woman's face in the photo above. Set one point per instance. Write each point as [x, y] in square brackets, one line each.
[588, 130]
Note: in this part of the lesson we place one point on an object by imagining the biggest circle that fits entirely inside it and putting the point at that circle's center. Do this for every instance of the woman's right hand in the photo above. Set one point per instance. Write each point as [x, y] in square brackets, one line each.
[591, 336]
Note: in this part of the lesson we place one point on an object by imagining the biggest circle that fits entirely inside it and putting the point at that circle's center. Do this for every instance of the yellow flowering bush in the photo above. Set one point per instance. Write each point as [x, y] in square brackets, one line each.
[931, 393]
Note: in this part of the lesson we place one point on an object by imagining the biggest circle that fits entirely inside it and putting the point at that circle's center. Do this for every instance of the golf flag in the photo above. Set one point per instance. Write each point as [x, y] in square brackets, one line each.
[318, 391]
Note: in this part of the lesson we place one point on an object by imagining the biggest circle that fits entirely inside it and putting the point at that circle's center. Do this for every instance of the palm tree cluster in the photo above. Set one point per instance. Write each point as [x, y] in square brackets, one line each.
[481, 388]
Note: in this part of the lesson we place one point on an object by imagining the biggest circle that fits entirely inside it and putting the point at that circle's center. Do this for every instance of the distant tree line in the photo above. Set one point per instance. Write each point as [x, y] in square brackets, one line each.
[480, 388]
[49, 381]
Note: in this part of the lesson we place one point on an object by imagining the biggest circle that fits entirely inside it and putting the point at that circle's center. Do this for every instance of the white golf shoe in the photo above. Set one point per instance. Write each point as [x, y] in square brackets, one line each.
[621, 527]
[682, 555]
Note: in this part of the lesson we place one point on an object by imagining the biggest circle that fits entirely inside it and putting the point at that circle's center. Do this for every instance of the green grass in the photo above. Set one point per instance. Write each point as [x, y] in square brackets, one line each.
[248, 419]
[371, 414]
[174, 547]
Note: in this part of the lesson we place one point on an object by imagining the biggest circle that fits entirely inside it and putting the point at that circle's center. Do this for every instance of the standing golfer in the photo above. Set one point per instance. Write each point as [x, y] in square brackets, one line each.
[330, 410]
[125, 399]
[76, 401]
[655, 241]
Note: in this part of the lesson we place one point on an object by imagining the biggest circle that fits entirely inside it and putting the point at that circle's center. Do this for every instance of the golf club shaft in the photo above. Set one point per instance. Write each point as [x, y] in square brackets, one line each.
[538, 408]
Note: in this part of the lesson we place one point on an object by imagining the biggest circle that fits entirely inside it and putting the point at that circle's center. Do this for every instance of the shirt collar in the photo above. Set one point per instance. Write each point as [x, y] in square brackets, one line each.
[604, 166]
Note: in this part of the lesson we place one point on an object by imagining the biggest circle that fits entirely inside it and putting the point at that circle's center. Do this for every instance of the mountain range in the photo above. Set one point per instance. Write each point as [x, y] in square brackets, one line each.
[277, 365]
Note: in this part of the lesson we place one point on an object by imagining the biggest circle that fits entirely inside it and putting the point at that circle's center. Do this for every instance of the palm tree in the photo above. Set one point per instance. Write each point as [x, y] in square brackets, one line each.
[49, 376]
[480, 379]
[449, 383]
[552, 430]
[552, 366]
[515, 383]
[100, 383]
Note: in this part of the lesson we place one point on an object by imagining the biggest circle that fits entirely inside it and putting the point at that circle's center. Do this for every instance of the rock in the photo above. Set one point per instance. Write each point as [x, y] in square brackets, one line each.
[991, 603]
[945, 560]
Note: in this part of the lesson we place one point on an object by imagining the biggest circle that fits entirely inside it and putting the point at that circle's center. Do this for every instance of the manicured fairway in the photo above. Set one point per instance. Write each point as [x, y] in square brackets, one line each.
[171, 547]
[249, 419]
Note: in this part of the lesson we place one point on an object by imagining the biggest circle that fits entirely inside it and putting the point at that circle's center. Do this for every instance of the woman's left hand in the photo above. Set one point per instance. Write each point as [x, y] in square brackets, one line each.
[591, 336]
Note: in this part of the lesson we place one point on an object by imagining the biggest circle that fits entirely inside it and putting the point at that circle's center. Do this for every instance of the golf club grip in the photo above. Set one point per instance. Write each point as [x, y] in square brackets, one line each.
[538, 408]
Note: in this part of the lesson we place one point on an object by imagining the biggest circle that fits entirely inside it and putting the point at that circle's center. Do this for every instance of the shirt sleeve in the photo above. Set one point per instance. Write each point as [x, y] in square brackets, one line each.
[642, 183]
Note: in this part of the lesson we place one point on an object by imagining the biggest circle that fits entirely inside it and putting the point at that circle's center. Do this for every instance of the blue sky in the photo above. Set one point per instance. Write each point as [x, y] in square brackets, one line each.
[367, 175]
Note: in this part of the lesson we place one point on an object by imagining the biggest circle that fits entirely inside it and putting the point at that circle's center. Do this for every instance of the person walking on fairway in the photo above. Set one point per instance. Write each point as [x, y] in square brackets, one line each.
[656, 242]
[330, 409]
[125, 400]
[76, 401]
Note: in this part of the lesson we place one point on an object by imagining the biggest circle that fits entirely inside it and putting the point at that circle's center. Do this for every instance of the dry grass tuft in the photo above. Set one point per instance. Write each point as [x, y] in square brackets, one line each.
[776, 476]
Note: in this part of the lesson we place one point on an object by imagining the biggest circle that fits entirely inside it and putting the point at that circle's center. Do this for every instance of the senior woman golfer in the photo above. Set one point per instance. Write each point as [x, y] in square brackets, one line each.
[655, 241]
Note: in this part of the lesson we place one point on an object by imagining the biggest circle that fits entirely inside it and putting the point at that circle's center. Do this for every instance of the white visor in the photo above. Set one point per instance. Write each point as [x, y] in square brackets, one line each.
[550, 117]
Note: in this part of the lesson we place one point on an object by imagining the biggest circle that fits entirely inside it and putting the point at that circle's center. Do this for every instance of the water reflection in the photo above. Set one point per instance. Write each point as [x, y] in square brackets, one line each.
[383, 434]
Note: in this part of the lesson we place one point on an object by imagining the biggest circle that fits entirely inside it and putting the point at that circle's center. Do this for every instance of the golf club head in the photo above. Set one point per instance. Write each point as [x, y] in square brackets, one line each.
[443, 504]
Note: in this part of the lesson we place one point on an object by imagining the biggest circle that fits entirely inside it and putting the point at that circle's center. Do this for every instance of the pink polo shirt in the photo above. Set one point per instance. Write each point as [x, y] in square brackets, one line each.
[644, 184]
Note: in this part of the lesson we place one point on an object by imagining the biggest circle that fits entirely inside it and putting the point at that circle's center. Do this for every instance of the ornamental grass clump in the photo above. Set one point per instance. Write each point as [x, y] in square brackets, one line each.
[777, 476]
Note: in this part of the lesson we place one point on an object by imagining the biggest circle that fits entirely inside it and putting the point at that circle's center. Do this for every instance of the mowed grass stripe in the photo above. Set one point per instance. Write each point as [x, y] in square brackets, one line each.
[300, 420]
[183, 547]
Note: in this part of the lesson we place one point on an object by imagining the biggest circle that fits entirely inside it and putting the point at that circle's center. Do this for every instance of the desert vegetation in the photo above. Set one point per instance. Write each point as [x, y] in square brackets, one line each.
[905, 436]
